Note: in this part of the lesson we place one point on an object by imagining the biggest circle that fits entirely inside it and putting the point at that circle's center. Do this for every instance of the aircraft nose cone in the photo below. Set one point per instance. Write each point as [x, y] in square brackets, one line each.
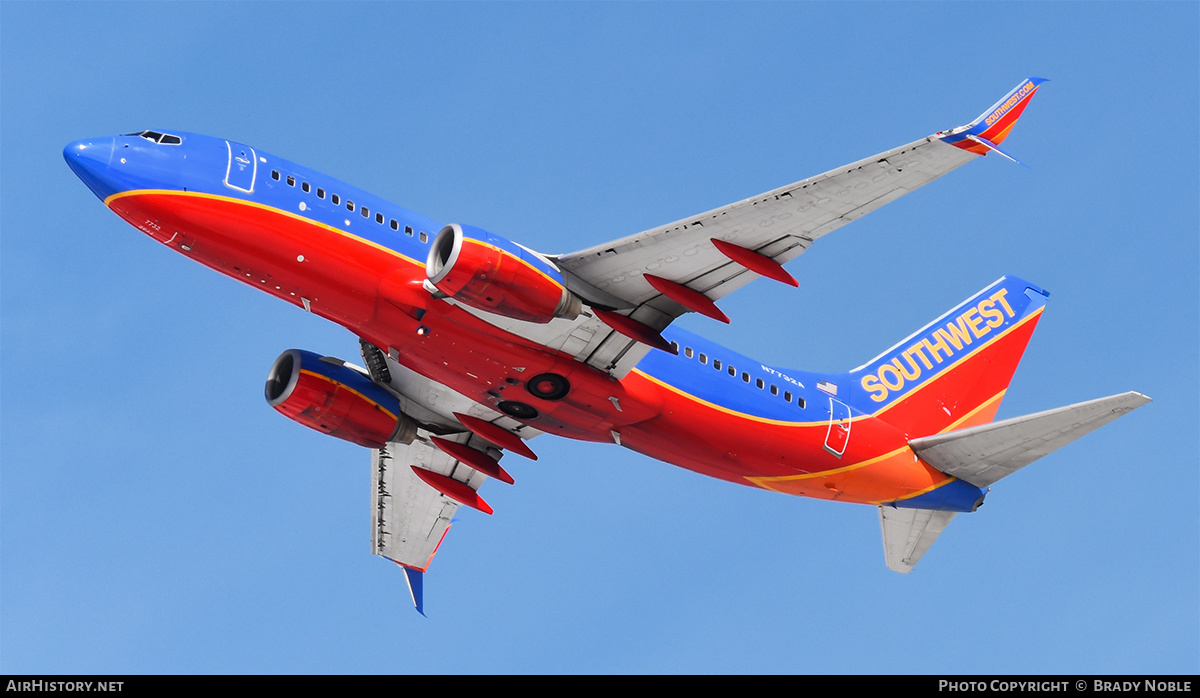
[89, 159]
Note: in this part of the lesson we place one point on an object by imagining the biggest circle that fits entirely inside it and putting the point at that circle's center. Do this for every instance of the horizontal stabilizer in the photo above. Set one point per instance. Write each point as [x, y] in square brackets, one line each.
[908, 533]
[983, 454]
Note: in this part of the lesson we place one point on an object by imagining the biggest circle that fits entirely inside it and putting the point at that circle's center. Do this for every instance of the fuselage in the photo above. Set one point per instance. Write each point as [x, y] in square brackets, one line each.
[358, 260]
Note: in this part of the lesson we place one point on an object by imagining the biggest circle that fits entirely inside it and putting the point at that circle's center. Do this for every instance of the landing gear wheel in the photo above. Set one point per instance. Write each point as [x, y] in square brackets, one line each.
[548, 386]
[517, 410]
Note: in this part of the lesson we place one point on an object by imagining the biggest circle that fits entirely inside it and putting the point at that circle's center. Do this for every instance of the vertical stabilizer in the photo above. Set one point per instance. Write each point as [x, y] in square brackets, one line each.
[908, 533]
[953, 372]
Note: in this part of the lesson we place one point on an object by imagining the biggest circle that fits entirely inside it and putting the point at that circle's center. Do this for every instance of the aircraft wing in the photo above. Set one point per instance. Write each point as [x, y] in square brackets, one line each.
[408, 517]
[780, 224]
[716, 252]
[415, 490]
[417, 487]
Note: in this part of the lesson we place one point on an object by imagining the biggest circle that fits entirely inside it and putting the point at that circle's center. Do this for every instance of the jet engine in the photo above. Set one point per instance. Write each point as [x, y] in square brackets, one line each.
[488, 272]
[325, 394]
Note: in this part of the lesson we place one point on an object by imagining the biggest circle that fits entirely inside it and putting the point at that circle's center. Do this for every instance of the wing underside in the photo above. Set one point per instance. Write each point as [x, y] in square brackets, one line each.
[417, 487]
[780, 224]
[408, 517]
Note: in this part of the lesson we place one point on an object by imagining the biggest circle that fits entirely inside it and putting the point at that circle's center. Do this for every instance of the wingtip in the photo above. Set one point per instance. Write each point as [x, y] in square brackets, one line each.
[994, 125]
[416, 587]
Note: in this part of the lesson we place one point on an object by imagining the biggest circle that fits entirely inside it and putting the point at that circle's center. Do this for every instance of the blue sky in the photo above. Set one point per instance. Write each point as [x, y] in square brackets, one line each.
[157, 516]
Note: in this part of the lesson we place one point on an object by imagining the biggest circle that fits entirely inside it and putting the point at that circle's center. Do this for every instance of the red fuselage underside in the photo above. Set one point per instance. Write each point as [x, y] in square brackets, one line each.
[377, 294]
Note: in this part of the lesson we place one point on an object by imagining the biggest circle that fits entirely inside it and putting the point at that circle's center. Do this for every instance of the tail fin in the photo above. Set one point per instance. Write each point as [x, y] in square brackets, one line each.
[953, 372]
[908, 533]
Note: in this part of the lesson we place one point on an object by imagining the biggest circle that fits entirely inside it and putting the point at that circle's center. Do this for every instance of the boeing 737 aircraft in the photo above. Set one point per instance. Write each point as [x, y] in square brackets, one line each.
[473, 344]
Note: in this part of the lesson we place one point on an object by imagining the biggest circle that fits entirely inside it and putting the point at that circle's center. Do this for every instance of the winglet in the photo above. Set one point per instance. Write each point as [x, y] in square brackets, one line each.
[416, 586]
[991, 128]
[994, 148]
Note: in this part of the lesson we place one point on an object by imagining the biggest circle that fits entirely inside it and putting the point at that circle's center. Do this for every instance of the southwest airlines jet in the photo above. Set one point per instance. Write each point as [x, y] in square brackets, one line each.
[473, 344]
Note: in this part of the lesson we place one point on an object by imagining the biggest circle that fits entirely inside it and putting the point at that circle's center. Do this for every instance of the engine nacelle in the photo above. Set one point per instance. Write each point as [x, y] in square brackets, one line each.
[323, 393]
[488, 272]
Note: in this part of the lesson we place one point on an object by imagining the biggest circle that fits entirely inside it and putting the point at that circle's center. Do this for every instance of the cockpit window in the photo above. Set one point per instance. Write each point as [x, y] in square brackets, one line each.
[156, 137]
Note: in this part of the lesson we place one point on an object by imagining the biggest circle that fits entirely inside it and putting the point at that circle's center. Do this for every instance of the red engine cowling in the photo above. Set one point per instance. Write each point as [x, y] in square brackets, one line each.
[323, 393]
[487, 272]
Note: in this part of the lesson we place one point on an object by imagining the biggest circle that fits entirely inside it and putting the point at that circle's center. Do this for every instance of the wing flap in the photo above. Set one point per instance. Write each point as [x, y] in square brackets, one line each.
[908, 533]
[408, 517]
[983, 454]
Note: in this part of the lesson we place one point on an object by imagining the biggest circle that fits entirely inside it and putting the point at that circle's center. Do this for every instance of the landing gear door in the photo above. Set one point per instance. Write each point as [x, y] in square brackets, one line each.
[838, 434]
[243, 166]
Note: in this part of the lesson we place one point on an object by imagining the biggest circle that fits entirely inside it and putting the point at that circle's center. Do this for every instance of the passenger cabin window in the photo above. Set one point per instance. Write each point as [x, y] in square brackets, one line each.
[275, 175]
[335, 199]
[349, 205]
[424, 237]
[408, 230]
[379, 218]
[365, 212]
[395, 225]
[305, 187]
[291, 181]
[733, 371]
[320, 193]
[745, 377]
[704, 359]
[787, 396]
[717, 364]
[687, 351]
[759, 383]
[774, 389]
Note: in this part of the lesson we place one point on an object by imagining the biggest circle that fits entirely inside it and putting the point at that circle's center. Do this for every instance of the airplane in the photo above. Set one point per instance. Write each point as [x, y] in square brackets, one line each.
[473, 344]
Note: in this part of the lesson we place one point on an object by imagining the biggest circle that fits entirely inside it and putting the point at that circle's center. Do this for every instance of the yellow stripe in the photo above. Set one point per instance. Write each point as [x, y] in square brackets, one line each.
[230, 199]
[726, 410]
[918, 493]
[943, 373]
[946, 371]
[506, 253]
